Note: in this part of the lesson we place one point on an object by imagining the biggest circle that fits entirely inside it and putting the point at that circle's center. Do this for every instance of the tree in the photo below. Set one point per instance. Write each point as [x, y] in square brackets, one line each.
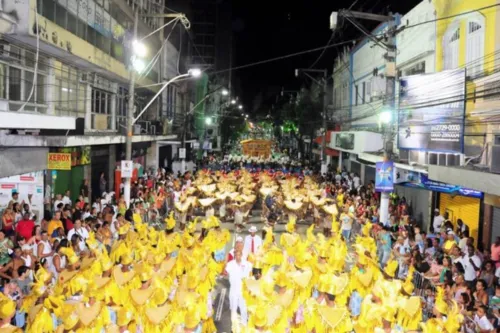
[301, 116]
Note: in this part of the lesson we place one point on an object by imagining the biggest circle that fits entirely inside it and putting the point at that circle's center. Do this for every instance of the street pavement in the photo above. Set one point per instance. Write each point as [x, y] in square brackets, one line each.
[222, 314]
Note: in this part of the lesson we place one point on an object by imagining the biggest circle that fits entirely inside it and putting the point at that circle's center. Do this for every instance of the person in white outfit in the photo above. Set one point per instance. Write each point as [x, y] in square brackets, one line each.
[253, 242]
[237, 270]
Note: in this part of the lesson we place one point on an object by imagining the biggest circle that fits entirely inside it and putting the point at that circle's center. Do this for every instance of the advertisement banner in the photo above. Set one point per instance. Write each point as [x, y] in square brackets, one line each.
[431, 111]
[59, 161]
[384, 176]
[422, 181]
[30, 189]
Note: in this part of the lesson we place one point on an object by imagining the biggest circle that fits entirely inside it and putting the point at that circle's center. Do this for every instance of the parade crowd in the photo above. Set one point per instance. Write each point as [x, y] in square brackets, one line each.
[100, 266]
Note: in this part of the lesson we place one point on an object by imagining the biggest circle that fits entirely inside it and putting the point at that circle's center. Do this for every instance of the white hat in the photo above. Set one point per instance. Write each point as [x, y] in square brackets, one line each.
[450, 232]
[252, 229]
[26, 247]
[239, 239]
[436, 210]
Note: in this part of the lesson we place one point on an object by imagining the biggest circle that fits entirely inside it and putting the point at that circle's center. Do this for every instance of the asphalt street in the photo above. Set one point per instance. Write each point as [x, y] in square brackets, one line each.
[222, 314]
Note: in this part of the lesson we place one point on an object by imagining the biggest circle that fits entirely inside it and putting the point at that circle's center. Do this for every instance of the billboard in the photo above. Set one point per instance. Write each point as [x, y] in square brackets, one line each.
[431, 111]
[384, 176]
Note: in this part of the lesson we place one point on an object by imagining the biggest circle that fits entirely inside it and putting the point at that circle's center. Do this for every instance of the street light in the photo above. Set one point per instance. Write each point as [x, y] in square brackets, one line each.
[246, 116]
[240, 107]
[139, 48]
[208, 121]
[225, 92]
[385, 117]
[195, 72]
[138, 64]
[233, 101]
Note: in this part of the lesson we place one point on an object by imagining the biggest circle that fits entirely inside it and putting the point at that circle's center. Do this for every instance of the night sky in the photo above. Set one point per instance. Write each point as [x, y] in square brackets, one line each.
[272, 28]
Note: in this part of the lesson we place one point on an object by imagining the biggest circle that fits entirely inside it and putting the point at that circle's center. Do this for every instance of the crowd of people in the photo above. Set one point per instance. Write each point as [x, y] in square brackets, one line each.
[100, 266]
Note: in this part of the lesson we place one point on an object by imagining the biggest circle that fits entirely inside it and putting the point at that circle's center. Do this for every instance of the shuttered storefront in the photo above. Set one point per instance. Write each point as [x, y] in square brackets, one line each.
[458, 207]
[495, 224]
[419, 202]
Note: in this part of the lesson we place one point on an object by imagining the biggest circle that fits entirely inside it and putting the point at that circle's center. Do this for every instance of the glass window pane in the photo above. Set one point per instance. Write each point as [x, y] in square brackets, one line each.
[40, 89]
[81, 30]
[3, 80]
[28, 85]
[60, 15]
[14, 84]
[49, 10]
[81, 98]
[72, 23]
[102, 103]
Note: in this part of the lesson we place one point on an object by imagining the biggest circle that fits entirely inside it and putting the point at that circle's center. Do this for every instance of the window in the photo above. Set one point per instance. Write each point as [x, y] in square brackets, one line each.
[121, 108]
[368, 91]
[492, 90]
[171, 101]
[475, 48]
[363, 95]
[17, 78]
[101, 109]
[416, 69]
[357, 94]
[99, 35]
[451, 48]
[70, 93]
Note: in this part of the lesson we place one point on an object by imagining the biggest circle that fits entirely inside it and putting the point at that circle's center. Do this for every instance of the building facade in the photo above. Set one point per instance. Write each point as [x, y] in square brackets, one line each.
[65, 68]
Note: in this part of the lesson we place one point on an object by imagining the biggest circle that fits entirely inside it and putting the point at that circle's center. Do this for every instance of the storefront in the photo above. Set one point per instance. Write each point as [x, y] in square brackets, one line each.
[139, 154]
[101, 168]
[460, 203]
[63, 178]
[30, 187]
[466, 208]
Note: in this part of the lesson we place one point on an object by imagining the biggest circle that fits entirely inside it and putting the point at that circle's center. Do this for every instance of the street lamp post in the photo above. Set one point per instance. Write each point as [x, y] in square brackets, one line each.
[131, 120]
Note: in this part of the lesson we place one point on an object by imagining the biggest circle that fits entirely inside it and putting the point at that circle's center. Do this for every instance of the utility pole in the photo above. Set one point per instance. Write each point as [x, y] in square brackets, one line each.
[130, 116]
[387, 42]
[324, 167]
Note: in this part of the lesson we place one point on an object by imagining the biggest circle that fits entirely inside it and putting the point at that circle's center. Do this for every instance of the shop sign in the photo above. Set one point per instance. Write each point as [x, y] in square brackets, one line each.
[423, 182]
[182, 152]
[431, 112]
[127, 169]
[59, 161]
[384, 176]
[79, 155]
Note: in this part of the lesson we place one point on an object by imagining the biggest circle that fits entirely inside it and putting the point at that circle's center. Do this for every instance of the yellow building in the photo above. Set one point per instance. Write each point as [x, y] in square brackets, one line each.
[468, 36]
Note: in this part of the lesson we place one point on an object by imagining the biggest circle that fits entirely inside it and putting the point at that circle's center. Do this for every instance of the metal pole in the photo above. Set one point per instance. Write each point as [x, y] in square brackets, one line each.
[325, 131]
[389, 105]
[130, 117]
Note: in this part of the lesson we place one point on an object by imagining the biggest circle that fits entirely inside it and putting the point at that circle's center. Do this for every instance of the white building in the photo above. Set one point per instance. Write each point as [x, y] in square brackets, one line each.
[80, 95]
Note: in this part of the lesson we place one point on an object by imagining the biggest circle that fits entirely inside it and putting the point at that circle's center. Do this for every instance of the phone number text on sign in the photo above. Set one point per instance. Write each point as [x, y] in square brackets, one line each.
[443, 132]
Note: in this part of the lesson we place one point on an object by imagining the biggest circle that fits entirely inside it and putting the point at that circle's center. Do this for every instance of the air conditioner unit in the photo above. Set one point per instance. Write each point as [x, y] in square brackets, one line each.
[443, 159]
[495, 159]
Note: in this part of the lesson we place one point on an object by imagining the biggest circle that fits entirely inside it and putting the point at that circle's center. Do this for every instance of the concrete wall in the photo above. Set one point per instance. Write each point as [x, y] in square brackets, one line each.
[18, 161]
[418, 42]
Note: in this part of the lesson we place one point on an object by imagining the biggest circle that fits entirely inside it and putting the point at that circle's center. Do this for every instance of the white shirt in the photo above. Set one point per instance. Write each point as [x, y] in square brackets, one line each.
[257, 244]
[237, 272]
[470, 273]
[83, 233]
[56, 203]
[483, 323]
[356, 182]
[66, 200]
[437, 222]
